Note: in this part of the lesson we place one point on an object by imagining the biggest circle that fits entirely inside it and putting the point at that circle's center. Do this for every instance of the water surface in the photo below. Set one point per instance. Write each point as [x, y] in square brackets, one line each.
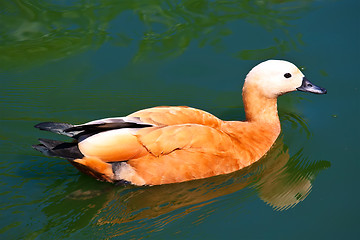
[75, 61]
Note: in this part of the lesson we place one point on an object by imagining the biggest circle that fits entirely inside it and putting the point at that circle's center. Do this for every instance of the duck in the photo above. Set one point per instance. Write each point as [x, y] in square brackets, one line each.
[173, 144]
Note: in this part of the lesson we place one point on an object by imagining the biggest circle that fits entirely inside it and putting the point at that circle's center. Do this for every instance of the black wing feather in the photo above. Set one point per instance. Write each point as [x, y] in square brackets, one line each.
[91, 128]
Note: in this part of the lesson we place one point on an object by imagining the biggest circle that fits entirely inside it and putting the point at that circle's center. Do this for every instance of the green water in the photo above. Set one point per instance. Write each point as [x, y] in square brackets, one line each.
[76, 61]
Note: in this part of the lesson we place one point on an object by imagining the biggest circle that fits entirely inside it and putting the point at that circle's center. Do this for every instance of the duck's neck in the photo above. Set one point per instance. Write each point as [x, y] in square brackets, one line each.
[259, 108]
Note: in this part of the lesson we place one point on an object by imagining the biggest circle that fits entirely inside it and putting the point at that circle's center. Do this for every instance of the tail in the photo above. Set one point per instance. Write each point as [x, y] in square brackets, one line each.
[59, 128]
[54, 148]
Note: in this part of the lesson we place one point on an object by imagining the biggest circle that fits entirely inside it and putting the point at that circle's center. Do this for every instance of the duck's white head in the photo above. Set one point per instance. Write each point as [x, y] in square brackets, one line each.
[276, 77]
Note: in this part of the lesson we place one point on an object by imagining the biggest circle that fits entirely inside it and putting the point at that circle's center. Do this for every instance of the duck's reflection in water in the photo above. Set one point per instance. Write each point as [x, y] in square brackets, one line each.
[287, 181]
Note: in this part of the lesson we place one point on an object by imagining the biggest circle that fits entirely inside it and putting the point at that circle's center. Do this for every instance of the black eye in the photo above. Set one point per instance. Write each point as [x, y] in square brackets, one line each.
[287, 75]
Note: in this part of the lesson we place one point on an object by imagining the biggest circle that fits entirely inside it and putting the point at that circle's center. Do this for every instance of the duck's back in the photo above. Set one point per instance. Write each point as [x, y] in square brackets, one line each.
[169, 115]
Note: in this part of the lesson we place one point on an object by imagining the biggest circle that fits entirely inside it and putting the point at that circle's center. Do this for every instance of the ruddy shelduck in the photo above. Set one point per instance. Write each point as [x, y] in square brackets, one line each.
[163, 145]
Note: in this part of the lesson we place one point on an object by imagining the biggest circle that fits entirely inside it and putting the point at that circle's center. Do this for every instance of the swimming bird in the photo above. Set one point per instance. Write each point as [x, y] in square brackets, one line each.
[170, 144]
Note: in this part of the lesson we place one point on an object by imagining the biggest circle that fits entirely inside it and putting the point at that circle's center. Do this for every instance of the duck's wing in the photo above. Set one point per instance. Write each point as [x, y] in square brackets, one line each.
[167, 115]
[153, 130]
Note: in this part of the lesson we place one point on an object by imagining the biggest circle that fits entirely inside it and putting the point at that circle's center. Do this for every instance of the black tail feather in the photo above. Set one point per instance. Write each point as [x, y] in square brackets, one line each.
[54, 148]
[59, 128]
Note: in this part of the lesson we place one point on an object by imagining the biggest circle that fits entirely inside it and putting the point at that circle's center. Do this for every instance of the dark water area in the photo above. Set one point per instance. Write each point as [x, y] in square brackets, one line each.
[76, 61]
